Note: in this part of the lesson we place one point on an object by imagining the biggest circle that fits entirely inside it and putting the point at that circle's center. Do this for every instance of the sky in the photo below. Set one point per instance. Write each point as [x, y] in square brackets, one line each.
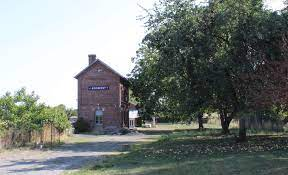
[44, 44]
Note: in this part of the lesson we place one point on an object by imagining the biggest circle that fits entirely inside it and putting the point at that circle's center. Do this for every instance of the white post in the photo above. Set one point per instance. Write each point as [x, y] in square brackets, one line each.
[154, 122]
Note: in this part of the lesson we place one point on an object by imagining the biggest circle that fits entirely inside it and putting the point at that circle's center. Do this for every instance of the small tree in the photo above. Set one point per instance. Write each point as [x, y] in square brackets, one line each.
[24, 113]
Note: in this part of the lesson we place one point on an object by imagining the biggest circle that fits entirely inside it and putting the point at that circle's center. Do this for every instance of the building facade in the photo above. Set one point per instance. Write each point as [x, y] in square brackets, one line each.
[103, 97]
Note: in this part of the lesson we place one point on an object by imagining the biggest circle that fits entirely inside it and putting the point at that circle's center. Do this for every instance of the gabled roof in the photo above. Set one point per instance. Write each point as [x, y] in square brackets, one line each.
[104, 64]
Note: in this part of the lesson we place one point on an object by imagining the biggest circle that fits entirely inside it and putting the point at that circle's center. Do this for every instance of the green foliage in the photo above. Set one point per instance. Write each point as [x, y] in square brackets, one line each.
[57, 117]
[22, 111]
[69, 111]
[81, 125]
[194, 57]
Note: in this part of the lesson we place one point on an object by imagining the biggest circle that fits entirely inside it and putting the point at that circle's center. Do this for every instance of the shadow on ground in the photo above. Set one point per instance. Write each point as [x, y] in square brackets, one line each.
[200, 153]
[70, 156]
[53, 164]
[106, 146]
[166, 132]
[237, 164]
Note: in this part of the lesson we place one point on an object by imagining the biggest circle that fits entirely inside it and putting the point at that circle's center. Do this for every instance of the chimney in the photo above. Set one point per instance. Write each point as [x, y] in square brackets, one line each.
[92, 58]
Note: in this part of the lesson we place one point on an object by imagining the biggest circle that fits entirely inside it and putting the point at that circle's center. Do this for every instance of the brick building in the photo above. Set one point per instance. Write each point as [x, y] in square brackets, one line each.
[103, 96]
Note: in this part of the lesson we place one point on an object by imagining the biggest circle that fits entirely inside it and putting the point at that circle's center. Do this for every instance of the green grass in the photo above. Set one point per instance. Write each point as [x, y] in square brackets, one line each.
[199, 153]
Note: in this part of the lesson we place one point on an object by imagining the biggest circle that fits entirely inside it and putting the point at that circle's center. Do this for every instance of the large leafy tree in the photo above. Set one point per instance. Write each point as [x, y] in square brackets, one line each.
[261, 45]
[195, 56]
[172, 40]
[259, 61]
[262, 63]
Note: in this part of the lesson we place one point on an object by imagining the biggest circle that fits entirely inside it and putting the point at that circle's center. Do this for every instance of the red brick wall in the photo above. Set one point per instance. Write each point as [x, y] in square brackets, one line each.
[100, 75]
[125, 103]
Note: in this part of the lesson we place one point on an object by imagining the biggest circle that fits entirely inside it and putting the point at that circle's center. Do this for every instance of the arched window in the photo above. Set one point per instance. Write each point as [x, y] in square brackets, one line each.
[98, 117]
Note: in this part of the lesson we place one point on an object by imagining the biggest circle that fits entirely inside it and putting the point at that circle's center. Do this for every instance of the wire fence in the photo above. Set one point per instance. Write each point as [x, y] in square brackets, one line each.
[47, 136]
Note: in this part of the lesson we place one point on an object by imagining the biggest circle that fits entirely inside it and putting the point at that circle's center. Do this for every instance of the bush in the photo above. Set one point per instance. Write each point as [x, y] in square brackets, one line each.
[124, 131]
[22, 113]
[59, 119]
[81, 125]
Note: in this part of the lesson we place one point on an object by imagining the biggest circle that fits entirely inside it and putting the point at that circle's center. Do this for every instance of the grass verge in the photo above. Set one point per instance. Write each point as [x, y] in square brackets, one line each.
[199, 153]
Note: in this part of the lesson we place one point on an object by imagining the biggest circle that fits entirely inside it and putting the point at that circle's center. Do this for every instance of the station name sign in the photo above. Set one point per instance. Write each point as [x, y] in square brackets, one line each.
[98, 88]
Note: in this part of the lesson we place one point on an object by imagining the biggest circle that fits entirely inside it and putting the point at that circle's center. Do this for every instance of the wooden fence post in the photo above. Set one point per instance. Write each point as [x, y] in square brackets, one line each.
[51, 135]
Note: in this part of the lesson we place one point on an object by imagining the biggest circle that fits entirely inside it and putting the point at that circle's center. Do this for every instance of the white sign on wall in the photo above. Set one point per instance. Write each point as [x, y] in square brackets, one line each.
[98, 88]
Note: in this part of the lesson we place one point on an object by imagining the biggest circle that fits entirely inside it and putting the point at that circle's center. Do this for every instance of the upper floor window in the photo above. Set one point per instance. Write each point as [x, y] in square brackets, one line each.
[99, 70]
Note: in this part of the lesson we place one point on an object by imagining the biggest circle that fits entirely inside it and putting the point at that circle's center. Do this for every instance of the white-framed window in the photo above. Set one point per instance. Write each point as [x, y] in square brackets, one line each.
[131, 123]
[99, 117]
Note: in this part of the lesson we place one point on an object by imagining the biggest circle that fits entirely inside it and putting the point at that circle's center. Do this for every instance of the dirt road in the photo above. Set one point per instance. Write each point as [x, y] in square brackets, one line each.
[79, 150]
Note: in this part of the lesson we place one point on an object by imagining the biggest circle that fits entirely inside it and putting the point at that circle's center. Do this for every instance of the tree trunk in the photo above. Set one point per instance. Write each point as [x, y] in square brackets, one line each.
[285, 121]
[29, 136]
[200, 121]
[226, 119]
[225, 122]
[225, 127]
[242, 130]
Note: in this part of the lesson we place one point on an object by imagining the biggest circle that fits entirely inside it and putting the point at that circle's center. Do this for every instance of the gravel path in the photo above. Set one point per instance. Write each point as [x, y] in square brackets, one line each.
[77, 152]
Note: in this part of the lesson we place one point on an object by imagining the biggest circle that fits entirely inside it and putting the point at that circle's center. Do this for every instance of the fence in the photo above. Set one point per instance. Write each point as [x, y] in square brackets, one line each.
[258, 122]
[263, 123]
[49, 135]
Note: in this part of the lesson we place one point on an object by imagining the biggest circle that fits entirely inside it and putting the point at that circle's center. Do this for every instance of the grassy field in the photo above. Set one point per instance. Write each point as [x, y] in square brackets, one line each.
[186, 151]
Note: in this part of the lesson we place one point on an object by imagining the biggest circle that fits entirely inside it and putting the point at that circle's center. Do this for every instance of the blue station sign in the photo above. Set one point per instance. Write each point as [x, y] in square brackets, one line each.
[98, 88]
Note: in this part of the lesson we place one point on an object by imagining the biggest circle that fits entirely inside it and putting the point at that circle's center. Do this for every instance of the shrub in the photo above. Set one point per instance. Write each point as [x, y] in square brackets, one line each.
[3, 127]
[22, 111]
[81, 125]
[124, 131]
[60, 119]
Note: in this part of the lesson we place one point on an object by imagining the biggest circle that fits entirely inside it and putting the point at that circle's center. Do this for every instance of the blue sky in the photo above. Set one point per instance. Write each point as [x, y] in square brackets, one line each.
[44, 44]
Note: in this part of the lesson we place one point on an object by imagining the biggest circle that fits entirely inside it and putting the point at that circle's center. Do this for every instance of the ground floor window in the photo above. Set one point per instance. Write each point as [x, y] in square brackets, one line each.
[99, 117]
[131, 123]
